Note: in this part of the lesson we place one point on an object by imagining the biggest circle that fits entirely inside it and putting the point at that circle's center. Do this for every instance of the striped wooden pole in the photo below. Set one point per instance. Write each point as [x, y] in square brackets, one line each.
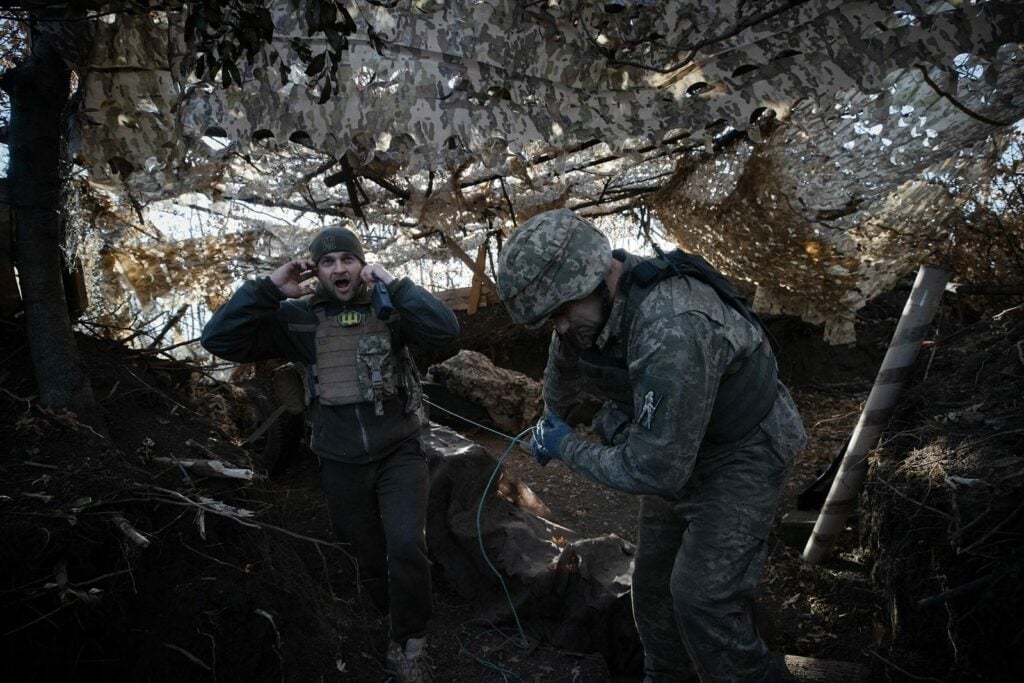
[899, 359]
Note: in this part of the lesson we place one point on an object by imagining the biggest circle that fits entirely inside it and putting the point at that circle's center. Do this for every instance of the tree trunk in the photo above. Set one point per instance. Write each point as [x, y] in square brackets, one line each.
[39, 90]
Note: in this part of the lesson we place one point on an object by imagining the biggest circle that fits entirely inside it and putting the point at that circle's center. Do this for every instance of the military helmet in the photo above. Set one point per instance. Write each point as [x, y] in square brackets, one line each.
[553, 258]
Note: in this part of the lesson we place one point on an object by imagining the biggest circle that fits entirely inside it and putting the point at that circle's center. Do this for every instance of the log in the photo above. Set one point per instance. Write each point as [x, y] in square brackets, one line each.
[810, 670]
[208, 468]
[512, 400]
[917, 315]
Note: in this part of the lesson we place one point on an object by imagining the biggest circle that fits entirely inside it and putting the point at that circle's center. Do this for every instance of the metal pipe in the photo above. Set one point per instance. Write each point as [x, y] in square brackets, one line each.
[896, 366]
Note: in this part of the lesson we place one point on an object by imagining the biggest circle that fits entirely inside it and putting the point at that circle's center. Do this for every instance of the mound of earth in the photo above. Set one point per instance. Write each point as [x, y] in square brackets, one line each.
[945, 502]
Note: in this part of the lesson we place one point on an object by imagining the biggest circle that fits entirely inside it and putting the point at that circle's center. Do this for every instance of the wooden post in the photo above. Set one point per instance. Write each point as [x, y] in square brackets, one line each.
[477, 289]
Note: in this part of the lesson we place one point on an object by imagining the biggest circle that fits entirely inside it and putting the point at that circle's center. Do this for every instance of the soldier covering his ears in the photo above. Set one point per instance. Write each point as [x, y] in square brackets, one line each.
[364, 398]
[694, 420]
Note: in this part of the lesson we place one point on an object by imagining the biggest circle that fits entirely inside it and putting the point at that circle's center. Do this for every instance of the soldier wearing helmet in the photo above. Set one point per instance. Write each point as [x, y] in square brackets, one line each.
[691, 416]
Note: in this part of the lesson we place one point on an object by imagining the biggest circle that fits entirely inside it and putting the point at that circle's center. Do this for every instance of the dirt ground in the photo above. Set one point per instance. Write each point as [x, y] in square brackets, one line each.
[259, 591]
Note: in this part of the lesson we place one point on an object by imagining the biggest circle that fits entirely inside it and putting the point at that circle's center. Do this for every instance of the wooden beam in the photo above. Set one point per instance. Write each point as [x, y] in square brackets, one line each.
[477, 288]
[461, 254]
[458, 299]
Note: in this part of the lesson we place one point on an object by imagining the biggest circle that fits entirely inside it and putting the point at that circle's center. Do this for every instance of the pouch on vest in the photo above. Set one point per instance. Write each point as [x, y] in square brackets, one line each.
[354, 364]
[375, 370]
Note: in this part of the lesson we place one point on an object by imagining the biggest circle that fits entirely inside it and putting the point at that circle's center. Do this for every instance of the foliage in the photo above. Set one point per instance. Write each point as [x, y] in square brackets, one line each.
[13, 50]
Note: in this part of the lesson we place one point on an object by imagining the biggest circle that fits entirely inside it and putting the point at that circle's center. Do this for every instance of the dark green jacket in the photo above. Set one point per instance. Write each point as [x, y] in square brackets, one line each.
[258, 323]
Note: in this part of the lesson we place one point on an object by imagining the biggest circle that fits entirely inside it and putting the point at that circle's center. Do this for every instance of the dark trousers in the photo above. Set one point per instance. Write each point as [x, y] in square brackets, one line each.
[700, 557]
[380, 509]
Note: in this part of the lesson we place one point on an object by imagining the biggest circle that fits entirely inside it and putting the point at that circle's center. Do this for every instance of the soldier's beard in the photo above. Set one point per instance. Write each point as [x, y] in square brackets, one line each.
[583, 336]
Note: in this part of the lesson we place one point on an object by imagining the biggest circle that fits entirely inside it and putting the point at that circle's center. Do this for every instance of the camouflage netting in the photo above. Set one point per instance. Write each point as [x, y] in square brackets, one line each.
[818, 148]
[944, 507]
[822, 230]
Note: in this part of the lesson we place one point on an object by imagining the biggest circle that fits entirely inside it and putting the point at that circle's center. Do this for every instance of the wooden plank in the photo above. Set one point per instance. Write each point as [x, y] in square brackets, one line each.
[455, 299]
[458, 299]
[477, 288]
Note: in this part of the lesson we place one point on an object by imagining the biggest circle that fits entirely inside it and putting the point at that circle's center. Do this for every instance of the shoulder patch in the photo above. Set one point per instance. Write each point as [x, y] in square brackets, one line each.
[646, 417]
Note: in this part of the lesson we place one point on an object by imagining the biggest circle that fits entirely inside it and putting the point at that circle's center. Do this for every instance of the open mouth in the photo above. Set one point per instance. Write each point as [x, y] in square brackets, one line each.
[344, 286]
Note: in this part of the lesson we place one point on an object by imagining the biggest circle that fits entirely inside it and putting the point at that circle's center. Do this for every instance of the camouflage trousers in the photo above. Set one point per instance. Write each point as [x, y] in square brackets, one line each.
[700, 557]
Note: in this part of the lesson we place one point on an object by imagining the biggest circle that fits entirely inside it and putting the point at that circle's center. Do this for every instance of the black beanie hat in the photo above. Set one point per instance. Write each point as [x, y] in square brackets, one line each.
[336, 239]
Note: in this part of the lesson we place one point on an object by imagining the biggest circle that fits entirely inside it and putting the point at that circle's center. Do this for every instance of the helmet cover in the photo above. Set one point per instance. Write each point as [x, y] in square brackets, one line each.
[553, 258]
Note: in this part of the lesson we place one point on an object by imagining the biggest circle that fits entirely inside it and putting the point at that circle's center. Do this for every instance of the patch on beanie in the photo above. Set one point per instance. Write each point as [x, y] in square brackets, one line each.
[329, 244]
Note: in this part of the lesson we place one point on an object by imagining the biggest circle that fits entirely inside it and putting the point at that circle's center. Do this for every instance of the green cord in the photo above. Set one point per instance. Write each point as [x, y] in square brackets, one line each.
[506, 674]
[480, 539]
[524, 641]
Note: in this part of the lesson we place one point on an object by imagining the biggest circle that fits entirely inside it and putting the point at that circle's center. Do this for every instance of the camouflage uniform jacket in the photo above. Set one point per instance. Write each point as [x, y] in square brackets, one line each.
[258, 323]
[682, 340]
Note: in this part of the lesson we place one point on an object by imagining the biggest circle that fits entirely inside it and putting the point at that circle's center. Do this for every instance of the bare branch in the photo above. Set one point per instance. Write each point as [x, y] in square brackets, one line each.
[956, 103]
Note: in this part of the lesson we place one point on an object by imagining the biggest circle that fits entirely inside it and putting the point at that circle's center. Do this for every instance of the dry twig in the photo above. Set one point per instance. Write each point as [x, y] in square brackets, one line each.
[188, 655]
[912, 501]
[130, 532]
[902, 671]
[207, 506]
[991, 532]
[208, 468]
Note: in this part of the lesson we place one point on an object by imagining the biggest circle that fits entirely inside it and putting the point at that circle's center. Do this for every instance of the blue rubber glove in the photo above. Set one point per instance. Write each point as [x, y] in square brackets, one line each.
[548, 436]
